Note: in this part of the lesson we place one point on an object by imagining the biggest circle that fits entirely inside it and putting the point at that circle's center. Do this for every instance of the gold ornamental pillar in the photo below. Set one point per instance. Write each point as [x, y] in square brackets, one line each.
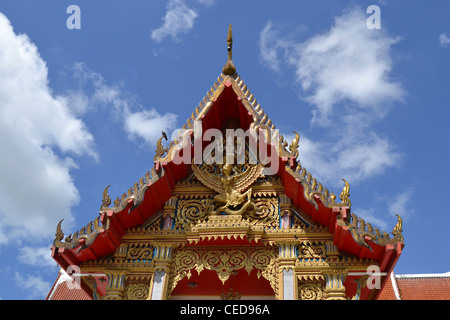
[160, 280]
[287, 256]
[116, 284]
[334, 288]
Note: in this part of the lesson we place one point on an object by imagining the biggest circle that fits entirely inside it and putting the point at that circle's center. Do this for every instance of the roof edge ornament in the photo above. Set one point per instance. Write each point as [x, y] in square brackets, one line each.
[229, 68]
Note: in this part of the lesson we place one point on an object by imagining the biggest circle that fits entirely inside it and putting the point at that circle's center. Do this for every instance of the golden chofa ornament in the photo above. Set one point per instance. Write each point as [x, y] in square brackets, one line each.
[229, 68]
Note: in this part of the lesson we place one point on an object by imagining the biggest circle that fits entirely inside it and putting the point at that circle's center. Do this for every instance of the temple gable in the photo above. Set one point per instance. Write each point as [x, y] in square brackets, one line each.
[228, 212]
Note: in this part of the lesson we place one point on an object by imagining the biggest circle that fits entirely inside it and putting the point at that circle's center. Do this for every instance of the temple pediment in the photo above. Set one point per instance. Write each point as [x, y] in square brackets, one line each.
[229, 186]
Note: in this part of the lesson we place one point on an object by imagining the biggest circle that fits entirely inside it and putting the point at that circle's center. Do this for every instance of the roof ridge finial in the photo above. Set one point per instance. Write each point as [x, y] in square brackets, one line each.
[229, 68]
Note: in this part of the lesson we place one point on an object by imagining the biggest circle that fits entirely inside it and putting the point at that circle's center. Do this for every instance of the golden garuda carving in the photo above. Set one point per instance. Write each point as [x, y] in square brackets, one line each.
[230, 187]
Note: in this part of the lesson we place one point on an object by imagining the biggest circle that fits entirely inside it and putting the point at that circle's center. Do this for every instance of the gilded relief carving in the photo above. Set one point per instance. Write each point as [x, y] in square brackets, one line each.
[223, 260]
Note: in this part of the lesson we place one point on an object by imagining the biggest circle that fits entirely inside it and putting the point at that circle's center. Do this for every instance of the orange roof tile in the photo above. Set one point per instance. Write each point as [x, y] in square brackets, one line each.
[424, 287]
[417, 287]
[388, 292]
[62, 291]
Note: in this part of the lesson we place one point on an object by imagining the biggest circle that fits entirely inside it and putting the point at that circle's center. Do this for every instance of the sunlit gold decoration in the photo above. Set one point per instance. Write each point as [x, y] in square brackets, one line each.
[293, 147]
[106, 201]
[345, 194]
[310, 291]
[331, 249]
[224, 227]
[230, 187]
[85, 236]
[358, 230]
[334, 289]
[141, 252]
[224, 260]
[311, 250]
[137, 291]
[191, 211]
[397, 231]
[116, 284]
[160, 150]
[229, 68]
[266, 211]
[59, 235]
[303, 245]
[314, 189]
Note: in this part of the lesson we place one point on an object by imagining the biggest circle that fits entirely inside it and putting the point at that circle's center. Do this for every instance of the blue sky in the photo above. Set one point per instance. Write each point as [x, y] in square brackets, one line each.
[82, 109]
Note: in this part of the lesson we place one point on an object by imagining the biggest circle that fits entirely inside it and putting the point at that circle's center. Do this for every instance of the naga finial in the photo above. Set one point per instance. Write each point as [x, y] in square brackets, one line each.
[229, 68]
[293, 147]
[345, 194]
[160, 151]
[397, 232]
[106, 201]
[59, 233]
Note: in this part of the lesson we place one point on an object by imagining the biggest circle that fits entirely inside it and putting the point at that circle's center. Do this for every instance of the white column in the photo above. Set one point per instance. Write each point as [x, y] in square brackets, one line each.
[288, 284]
[158, 285]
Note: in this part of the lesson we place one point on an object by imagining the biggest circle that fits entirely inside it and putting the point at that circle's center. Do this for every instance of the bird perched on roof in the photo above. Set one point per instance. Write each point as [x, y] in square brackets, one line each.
[159, 147]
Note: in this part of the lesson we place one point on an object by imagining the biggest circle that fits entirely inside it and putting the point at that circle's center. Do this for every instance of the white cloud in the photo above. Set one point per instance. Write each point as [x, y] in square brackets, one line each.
[373, 217]
[444, 40]
[35, 285]
[387, 206]
[41, 134]
[179, 19]
[344, 75]
[138, 122]
[364, 159]
[39, 257]
[207, 2]
[38, 132]
[399, 203]
[148, 124]
[95, 93]
[269, 46]
[349, 64]
[354, 160]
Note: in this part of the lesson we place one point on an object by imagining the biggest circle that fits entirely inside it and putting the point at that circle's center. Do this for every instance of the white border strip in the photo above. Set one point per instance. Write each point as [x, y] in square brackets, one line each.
[395, 287]
[423, 275]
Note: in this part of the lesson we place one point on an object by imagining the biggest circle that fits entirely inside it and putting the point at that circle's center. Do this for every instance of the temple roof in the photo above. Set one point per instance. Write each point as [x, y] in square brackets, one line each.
[228, 99]
[417, 287]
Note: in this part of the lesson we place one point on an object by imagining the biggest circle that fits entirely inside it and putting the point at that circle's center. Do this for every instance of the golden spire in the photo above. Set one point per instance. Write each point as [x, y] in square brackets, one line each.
[229, 68]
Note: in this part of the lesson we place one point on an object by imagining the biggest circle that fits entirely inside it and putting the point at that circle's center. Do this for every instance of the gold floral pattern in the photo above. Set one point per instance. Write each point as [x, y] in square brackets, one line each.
[223, 260]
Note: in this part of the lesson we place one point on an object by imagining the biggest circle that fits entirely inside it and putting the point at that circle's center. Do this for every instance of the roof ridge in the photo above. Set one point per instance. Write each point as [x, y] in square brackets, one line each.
[395, 286]
[423, 275]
